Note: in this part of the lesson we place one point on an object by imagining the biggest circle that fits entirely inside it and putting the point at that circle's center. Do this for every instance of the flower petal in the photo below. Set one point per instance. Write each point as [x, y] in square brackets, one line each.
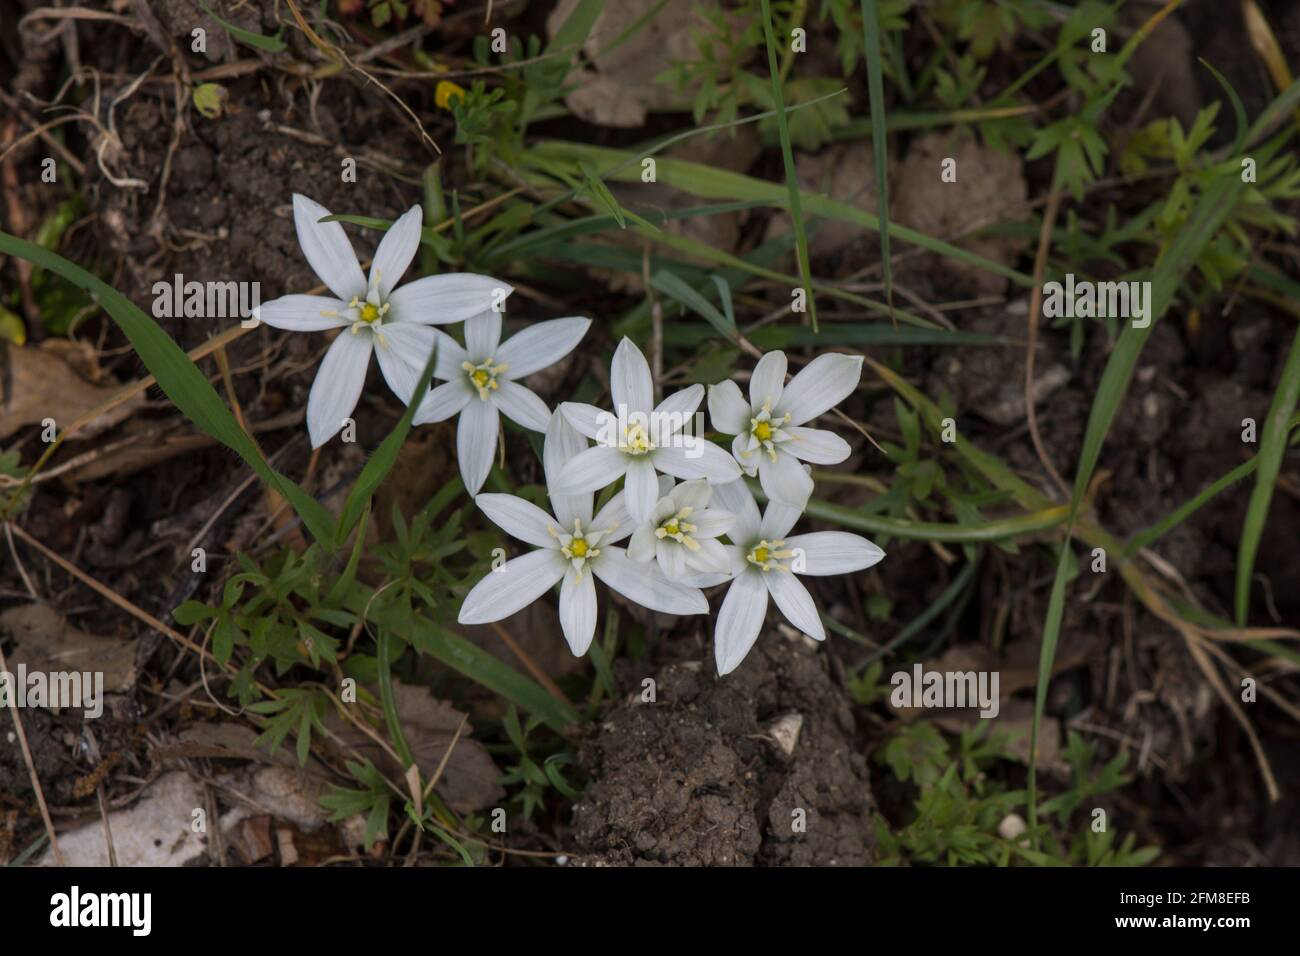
[482, 336]
[395, 252]
[778, 519]
[673, 414]
[816, 445]
[672, 559]
[795, 603]
[327, 250]
[629, 380]
[338, 385]
[614, 521]
[541, 345]
[443, 402]
[711, 558]
[590, 421]
[476, 442]
[739, 620]
[822, 384]
[521, 404]
[694, 494]
[519, 518]
[563, 443]
[739, 500]
[640, 490]
[711, 523]
[512, 587]
[589, 470]
[768, 381]
[728, 410]
[696, 458]
[302, 313]
[445, 299]
[402, 350]
[642, 546]
[646, 586]
[451, 357]
[785, 480]
[834, 552]
[578, 610]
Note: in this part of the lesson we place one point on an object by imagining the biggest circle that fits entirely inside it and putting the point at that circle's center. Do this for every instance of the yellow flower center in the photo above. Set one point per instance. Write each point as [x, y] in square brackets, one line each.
[578, 547]
[483, 376]
[768, 555]
[369, 313]
[763, 431]
[679, 529]
[636, 440]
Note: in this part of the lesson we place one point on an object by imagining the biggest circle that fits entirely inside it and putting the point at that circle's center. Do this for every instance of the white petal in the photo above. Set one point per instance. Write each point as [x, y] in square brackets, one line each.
[739, 620]
[521, 405]
[778, 519]
[451, 357]
[834, 552]
[640, 489]
[589, 470]
[591, 421]
[302, 313]
[563, 443]
[613, 520]
[445, 299]
[629, 379]
[711, 523]
[795, 603]
[699, 459]
[443, 402]
[642, 545]
[822, 384]
[541, 345]
[395, 252]
[673, 414]
[672, 560]
[698, 579]
[402, 350]
[482, 336]
[744, 451]
[476, 442]
[327, 249]
[646, 586]
[694, 494]
[785, 480]
[728, 410]
[816, 445]
[712, 557]
[338, 385]
[578, 610]
[519, 518]
[768, 381]
[739, 500]
[512, 587]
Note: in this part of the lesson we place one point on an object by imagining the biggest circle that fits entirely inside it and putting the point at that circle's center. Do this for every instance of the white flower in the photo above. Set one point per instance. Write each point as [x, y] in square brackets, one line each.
[682, 533]
[765, 561]
[392, 322]
[481, 380]
[572, 546]
[770, 437]
[638, 438]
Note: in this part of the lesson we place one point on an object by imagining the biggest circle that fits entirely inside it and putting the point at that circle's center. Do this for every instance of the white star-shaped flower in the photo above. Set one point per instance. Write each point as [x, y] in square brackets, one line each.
[638, 438]
[480, 380]
[572, 547]
[770, 438]
[682, 534]
[765, 561]
[392, 322]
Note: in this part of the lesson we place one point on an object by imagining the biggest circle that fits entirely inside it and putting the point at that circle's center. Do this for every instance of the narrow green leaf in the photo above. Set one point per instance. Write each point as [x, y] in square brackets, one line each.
[672, 286]
[879, 144]
[273, 44]
[179, 378]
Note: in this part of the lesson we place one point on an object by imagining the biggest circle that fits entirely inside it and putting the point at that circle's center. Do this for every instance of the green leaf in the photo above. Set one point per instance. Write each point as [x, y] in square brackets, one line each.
[879, 144]
[179, 378]
[671, 285]
[270, 44]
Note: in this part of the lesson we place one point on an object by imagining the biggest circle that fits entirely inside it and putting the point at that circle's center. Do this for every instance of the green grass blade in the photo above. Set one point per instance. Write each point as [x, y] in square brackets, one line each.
[879, 144]
[673, 287]
[1272, 444]
[382, 461]
[179, 378]
[273, 44]
[994, 530]
[787, 154]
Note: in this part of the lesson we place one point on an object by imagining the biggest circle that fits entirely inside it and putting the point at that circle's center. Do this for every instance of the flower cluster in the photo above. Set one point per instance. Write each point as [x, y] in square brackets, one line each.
[685, 510]
[681, 497]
